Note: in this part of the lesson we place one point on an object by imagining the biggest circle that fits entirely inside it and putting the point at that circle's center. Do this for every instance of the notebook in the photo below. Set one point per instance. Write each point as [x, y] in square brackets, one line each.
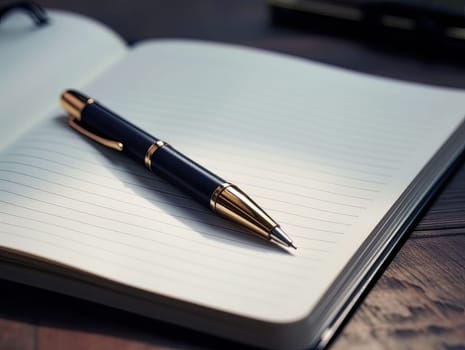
[342, 160]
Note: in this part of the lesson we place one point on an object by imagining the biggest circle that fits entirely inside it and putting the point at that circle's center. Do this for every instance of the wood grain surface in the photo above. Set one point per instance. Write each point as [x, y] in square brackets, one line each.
[419, 300]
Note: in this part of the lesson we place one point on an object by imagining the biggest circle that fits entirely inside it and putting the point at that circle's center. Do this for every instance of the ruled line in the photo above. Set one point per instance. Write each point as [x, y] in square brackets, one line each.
[333, 164]
[215, 265]
[291, 168]
[174, 194]
[233, 256]
[154, 178]
[298, 114]
[269, 298]
[144, 173]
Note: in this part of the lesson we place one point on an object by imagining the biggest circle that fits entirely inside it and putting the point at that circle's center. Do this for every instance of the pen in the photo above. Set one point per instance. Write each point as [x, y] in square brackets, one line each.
[105, 127]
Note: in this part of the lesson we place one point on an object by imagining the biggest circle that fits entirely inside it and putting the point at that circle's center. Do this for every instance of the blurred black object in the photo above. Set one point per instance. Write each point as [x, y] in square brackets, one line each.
[427, 26]
[30, 8]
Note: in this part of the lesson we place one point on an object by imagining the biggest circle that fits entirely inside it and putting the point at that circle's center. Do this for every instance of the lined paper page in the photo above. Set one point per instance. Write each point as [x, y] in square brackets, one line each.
[37, 63]
[325, 152]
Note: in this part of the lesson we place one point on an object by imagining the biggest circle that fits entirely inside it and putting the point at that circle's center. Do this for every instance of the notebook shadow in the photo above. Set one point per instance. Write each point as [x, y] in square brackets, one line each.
[160, 194]
[26, 311]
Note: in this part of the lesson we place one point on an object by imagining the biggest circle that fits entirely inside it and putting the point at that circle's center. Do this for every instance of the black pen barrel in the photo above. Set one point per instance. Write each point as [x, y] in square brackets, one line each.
[165, 161]
[108, 124]
[185, 174]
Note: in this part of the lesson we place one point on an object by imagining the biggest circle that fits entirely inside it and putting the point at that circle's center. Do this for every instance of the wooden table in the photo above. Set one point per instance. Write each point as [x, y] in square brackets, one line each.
[417, 303]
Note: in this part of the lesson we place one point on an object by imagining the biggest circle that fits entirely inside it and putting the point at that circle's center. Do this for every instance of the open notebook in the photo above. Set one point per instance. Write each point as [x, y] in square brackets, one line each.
[342, 160]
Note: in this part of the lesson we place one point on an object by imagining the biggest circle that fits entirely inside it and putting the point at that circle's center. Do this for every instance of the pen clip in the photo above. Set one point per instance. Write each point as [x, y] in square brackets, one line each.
[103, 141]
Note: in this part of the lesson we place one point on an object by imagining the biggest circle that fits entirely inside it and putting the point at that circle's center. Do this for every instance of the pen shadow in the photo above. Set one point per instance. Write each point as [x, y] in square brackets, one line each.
[160, 194]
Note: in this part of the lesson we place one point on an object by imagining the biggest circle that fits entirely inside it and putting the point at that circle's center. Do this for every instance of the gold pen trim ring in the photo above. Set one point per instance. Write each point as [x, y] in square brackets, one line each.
[216, 193]
[150, 151]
